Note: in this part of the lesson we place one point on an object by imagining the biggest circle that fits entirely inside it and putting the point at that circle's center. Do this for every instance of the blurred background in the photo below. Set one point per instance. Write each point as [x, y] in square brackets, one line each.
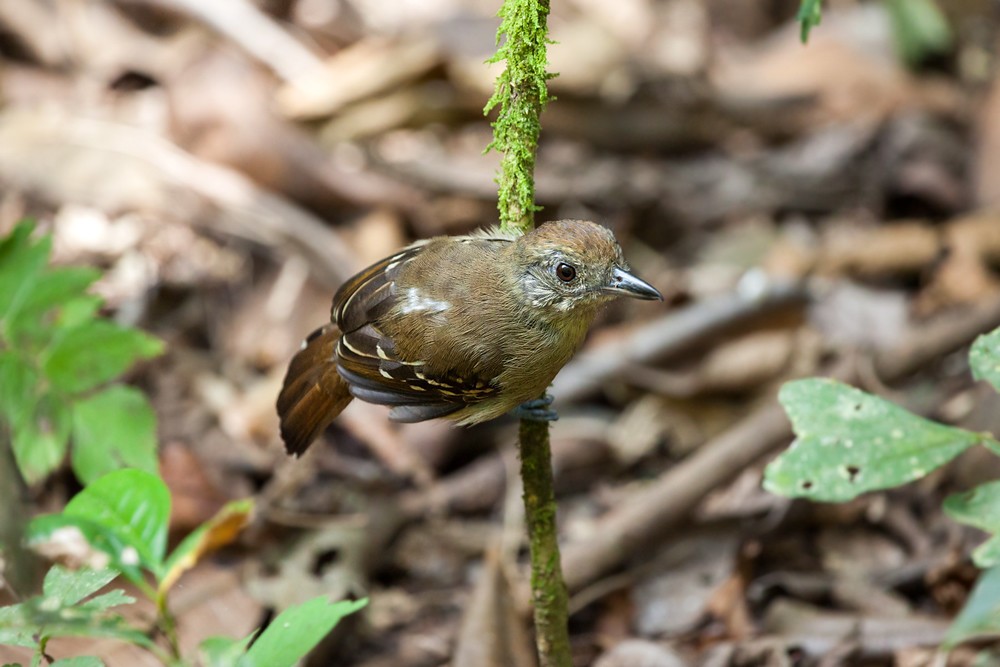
[801, 207]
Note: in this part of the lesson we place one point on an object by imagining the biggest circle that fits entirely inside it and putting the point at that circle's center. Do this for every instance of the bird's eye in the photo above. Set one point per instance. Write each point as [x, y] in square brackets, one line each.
[565, 272]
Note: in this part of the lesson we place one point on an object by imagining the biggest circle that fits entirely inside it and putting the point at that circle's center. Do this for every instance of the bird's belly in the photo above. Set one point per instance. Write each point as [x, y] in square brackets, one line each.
[530, 369]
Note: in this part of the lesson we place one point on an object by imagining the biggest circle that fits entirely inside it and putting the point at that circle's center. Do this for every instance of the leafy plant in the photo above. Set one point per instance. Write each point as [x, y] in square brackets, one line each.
[125, 514]
[58, 359]
[63, 609]
[849, 442]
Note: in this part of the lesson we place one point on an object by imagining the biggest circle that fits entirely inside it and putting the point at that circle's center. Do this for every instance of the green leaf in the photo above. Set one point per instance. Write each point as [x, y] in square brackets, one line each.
[78, 311]
[984, 358]
[59, 285]
[133, 504]
[20, 263]
[112, 429]
[14, 631]
[54, 287]
[52, 526]
[223, 651]
[40, 440]
[980, 508]
[296, 631]
[80, 661]
[981, 614]
[919, 28]
[68, 587]
[849, 442]
[39, 617]
[110, 599]
[94, 352]
[18, 380]
[57, 613]
[809, 16]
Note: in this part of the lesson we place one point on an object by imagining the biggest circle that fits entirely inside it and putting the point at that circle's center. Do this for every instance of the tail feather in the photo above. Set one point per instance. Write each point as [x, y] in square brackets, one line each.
[313, 393]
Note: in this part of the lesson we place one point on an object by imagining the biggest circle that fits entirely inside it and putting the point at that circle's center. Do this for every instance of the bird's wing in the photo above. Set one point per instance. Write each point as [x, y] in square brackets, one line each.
[371, 293]
[368, 358]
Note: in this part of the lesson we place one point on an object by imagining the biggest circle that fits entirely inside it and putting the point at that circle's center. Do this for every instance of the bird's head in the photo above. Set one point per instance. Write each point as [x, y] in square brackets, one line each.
[567, 264]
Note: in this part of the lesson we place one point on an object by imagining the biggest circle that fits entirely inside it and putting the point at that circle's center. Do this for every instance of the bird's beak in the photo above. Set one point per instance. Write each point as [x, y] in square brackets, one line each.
[624, 283]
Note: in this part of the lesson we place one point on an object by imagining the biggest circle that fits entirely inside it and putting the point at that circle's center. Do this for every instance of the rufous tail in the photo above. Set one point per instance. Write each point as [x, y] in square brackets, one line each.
[313, 393]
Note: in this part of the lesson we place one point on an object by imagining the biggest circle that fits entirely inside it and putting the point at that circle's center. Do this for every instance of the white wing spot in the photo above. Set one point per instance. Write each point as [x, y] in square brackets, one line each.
[416, 302]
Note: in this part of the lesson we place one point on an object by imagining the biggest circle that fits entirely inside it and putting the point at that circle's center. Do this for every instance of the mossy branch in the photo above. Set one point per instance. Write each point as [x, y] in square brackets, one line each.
[548, 589]
[521, 94]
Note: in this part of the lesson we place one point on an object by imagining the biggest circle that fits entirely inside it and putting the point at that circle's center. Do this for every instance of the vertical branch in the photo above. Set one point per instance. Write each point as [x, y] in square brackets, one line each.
[521, 94]
[548, 589]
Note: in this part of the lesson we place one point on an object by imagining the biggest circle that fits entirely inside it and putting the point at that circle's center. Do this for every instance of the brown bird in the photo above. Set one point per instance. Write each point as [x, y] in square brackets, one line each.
[463, 327]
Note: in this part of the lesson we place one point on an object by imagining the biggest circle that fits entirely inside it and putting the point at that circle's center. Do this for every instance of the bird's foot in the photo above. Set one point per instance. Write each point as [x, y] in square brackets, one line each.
[536, 410]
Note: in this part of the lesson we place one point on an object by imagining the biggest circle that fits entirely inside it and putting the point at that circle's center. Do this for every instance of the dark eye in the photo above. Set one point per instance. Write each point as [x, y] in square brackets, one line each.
[565, 272]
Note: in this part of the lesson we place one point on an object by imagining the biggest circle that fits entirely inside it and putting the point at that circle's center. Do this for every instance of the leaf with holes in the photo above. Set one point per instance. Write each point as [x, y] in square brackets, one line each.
[979, 507]
[849, 442]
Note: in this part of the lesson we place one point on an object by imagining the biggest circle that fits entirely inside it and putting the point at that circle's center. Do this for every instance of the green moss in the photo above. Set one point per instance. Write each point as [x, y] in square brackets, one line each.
[521, 94]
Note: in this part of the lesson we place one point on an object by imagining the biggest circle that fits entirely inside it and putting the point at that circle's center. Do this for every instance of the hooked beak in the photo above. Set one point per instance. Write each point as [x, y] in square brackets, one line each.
[624, 283]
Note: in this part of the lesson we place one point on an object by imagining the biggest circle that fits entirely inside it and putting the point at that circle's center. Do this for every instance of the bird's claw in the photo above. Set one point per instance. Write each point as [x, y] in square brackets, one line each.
[536, 410]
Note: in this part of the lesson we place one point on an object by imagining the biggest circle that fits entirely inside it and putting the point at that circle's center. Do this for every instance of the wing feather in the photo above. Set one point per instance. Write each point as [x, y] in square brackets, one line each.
[369, 360]
[371, 293]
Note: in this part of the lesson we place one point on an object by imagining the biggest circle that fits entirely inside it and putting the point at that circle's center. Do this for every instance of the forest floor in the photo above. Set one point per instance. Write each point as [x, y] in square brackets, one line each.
[818, 209]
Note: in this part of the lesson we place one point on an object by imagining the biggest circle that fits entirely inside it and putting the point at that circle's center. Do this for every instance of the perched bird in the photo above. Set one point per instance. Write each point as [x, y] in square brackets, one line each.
[463, 327]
